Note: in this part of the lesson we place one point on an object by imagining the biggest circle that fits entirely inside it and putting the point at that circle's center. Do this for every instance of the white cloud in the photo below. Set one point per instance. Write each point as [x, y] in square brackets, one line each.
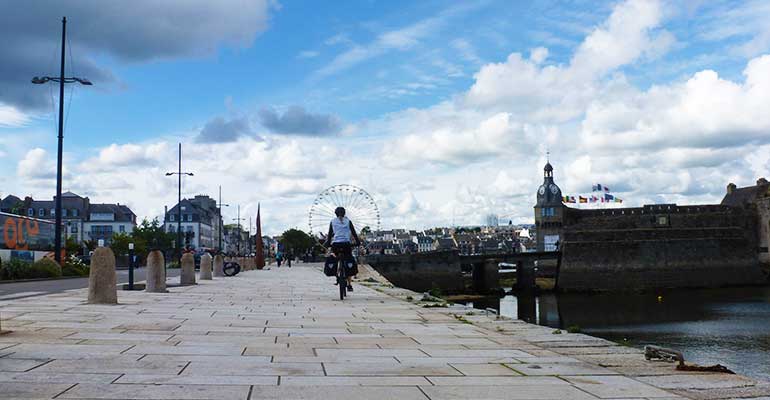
[705, 111]
[308, 54]
[11, 116]
[400, 39]
[37, 164]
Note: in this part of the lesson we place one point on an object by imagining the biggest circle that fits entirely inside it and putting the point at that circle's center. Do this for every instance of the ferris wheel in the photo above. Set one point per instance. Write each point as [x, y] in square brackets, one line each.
[359, 206]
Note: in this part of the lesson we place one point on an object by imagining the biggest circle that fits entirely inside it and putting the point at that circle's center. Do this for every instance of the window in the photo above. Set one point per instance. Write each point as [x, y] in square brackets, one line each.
[663, 220]
[53, 212]
[74, 212]
[122, 228]
[41, 212]
[171, 217]
[31, 212]
[189, 217]
[74, 229]
[63, 212]
[189, 228]
[171, 228]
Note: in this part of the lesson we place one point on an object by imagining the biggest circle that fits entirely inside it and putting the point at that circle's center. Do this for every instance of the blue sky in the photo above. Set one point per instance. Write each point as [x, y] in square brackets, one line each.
[443, 111]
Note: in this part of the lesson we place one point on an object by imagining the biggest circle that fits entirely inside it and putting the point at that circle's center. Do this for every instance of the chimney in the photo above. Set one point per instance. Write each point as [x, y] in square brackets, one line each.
[730, 188]
[761, 181]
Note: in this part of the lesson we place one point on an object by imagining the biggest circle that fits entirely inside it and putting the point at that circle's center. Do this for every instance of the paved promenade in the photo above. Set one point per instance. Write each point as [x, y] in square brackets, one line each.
[282, 334]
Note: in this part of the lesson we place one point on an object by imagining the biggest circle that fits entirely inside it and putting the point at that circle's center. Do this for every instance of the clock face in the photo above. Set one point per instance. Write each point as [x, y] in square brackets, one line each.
[554, 189]
[541, 190]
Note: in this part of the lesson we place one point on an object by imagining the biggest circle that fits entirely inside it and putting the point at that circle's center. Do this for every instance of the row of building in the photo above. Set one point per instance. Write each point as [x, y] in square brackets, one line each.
[467, 240]
[201, 221]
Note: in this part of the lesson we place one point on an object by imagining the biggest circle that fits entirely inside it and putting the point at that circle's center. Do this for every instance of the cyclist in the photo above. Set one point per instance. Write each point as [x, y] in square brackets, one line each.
[340, 238]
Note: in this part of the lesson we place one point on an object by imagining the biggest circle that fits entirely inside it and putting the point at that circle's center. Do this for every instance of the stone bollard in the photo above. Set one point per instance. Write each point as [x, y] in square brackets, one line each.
[205, 267]
[219, 266]
[102, 281]
[156, 273]
[187, 276]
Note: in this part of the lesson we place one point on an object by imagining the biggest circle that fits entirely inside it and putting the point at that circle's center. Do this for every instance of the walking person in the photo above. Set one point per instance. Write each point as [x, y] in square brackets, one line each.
[289, 256]
[340, 238]
[278, 258]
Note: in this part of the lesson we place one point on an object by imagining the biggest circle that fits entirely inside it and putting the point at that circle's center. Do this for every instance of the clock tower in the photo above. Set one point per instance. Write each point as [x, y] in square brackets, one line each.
[549, 212]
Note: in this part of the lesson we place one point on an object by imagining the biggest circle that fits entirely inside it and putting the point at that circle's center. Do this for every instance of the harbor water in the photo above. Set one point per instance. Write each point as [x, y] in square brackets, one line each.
[726, 326]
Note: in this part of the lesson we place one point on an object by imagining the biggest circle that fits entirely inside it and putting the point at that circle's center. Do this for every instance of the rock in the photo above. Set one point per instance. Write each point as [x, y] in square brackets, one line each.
[205, 267]
[219, 265]
[156, 273]
[187, 276]
[102, 281]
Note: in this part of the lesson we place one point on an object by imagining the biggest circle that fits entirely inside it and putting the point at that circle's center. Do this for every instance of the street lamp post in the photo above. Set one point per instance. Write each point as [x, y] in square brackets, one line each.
[220, 205]
[179, 204]
[240, 235]
[38, 80]
[130, 266]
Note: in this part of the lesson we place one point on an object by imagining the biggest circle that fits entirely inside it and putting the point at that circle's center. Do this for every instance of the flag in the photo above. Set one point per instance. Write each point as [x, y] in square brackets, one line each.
[606, 189]
[618, 200]
[596, 188]
[260, 246]
[565, 199]
[608, 197]
[572, 199]
[583, 199]
[594, 199]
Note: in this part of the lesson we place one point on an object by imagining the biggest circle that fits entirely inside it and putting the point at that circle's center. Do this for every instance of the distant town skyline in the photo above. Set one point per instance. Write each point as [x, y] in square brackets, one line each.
[442, 112]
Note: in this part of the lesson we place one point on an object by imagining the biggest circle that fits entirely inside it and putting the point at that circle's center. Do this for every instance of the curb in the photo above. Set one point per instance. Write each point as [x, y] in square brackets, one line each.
[2, 282]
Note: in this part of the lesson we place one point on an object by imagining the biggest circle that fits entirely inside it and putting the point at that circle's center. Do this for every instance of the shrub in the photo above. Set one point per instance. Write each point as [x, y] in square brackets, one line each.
[73, 266]
[45, 268]
[20, 269]
[435, 291]
[14, 269]
[573, 329]
[173, 264]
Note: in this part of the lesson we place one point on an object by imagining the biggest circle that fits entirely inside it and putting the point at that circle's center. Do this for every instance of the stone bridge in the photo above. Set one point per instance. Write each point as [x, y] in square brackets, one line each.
[455, 273]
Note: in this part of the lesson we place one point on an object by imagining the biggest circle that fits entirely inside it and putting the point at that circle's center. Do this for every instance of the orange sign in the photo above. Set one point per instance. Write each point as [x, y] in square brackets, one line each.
[14, 232]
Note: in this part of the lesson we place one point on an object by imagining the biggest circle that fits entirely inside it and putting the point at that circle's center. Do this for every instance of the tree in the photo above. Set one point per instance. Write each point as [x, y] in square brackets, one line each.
[366, 231]
[297, 241]
[18, 208]
[152, 235]
[119, 243]
[71, 246]
[90, 244]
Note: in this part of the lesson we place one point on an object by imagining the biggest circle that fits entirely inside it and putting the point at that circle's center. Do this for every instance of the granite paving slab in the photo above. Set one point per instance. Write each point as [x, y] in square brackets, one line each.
[283, 333]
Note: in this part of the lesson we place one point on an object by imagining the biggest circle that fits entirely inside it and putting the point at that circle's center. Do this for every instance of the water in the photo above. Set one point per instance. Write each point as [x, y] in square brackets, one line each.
[726, 326]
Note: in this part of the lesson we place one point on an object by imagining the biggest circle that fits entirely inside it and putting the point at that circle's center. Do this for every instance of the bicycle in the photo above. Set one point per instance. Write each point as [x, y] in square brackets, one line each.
[231, 268]
[342, 266]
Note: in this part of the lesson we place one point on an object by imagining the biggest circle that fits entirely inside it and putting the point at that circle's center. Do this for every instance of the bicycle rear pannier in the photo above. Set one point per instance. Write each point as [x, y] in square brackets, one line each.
[330, 266]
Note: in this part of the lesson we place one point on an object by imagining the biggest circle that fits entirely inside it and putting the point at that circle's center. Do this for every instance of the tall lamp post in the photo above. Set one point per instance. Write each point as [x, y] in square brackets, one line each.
[179, 204]
[38, 80]
[240, 235]
[220, 205]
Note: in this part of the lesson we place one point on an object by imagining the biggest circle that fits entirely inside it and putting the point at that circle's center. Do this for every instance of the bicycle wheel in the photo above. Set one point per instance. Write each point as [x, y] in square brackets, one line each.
[342, 279]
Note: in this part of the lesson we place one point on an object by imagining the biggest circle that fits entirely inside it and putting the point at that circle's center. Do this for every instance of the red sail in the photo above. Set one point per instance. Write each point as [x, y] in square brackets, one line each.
[260, 246]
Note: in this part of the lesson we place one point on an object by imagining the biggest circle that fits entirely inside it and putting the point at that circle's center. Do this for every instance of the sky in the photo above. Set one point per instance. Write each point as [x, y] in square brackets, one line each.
[444, 112]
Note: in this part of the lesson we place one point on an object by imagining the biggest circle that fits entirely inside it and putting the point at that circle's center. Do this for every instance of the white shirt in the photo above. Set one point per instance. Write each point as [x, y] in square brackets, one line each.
[341, 228]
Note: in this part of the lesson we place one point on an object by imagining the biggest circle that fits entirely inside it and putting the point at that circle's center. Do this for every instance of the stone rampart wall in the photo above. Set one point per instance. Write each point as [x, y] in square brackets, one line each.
[422, 271]
[692, 246]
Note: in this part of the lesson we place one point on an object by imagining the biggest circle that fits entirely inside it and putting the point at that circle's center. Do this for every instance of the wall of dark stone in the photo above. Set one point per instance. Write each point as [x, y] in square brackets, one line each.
[660, 246]
[422, 271]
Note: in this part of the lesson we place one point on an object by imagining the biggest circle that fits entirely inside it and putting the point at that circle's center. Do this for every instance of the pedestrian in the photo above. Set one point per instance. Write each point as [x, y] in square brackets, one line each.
[278, 258]
[289, 256]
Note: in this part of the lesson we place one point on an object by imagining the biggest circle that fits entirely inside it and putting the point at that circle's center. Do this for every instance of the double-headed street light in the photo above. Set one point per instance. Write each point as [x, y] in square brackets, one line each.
[220, 205]
[39, 80]
[179, 204]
